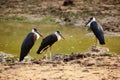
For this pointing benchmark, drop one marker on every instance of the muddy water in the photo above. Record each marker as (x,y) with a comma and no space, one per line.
(13,33)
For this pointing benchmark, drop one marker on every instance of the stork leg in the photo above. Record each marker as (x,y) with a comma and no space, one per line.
(95,42)
(50,53)
(27,59)
(46,55)
(95,48)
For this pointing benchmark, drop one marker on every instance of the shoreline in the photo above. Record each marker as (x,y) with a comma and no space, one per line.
(95,66)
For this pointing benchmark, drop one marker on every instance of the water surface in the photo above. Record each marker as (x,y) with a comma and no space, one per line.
(13,33)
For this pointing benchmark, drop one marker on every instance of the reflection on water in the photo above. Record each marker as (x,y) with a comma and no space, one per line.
(13,33)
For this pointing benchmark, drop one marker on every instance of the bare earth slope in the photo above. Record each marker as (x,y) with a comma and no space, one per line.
(106,11)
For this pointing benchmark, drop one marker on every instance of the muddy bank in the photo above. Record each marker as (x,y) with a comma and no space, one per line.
(7,59)
(92,66)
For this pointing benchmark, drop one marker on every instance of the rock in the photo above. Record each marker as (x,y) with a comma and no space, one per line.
(59,57)
(89,62)
(101,51)
(6,58)
(98,50)
(68,2)
(85,70)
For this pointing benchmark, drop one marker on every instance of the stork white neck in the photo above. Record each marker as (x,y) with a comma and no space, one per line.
(58,36)
(38,36)
(93,19)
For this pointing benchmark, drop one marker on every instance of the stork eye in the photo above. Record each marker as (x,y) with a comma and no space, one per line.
(58,31)
(35,29)
(91,18)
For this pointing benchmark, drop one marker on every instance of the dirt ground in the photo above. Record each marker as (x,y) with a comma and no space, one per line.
(107,12)
(89,68)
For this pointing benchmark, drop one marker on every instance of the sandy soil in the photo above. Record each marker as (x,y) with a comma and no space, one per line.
(90,68)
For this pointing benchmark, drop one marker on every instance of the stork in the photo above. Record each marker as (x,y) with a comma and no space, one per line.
(28,43)
(48,41)
(97,30)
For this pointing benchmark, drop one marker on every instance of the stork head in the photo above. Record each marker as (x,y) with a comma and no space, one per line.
(59,35)
(34,30)
(90,20)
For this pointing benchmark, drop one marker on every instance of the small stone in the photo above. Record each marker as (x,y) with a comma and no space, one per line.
(85,70)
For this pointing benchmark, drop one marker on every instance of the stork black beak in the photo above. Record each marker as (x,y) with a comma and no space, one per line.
(87,23)
(62,36)
(40,34)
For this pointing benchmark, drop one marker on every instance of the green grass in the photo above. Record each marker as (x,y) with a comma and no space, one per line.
(47,20)
(12,19)
(13,33)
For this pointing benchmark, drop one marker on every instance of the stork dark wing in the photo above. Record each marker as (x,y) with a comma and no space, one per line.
(98,32)
(47,41)
(27,45)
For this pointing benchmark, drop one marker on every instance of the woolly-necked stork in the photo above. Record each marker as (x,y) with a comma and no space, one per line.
(48,41)
(97,30)
(28,43)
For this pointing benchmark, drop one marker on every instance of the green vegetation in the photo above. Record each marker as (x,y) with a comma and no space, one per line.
(13,33)
(47,20)
(12,19)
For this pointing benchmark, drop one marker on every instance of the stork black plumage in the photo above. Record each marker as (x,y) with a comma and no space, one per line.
(28,43)
(48,41)
(97,30)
